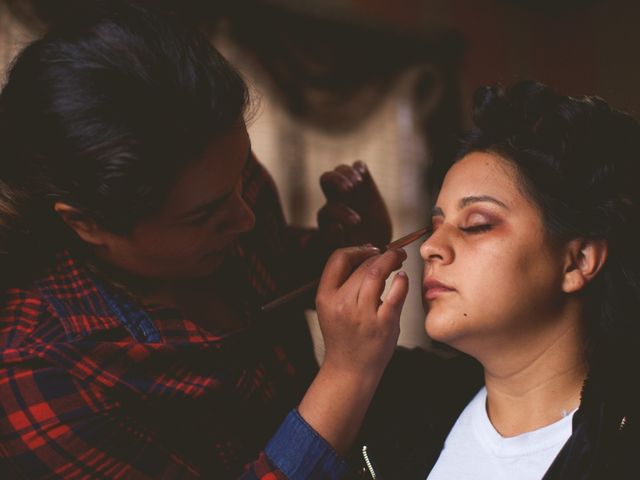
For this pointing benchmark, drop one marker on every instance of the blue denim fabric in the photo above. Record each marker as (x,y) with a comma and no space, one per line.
(134,318)
(302,454)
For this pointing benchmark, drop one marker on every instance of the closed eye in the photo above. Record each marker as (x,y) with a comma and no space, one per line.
(201,219)
(477,228)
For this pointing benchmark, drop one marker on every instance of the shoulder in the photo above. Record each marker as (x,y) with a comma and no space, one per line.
(421,389)
(423,385)
(419,399)
(418,370)
(62,303)
(22,313)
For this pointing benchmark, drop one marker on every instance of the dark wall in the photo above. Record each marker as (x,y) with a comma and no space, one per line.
(580,48)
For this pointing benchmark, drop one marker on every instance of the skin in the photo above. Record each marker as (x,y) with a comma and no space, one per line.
(510,298)
(177,253)
(354,205)
(191,234)
(360,333)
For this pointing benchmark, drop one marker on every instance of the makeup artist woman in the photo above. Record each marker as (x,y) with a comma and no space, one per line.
(139,237)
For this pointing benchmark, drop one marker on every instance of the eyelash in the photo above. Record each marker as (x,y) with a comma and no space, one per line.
(202,219)
(477,228)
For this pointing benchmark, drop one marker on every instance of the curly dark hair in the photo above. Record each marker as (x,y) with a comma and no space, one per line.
(102,113)
(578,159)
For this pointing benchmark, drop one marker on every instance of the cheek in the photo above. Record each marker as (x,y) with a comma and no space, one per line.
(520,281)
(190,246)
(490,280)
(503,272)
(168,245)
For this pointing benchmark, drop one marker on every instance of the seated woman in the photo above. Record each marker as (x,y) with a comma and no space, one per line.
(138,238)
(533,271)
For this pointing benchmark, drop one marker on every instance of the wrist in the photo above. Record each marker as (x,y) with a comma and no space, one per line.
(337,401)
(364,375)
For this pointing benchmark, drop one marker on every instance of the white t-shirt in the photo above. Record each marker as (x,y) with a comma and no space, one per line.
(475,450)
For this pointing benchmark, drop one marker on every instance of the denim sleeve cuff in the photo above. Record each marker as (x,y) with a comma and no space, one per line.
(301,453)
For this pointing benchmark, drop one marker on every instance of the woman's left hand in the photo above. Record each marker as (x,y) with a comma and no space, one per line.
(355,212)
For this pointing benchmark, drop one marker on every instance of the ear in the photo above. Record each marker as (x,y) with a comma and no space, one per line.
(584,259)
(85,227)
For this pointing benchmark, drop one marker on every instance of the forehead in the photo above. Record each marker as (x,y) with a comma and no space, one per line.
(213,175)
(481,173)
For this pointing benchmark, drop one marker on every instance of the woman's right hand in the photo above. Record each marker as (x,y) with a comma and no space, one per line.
(360,334)
(360,331)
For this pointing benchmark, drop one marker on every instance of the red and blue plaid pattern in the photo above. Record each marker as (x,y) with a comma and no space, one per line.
(86,394)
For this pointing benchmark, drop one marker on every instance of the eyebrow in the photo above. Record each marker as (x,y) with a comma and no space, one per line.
(213,204)
(466,201)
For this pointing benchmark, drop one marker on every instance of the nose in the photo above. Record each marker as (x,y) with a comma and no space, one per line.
(238,217)
(245,219)
(438,247)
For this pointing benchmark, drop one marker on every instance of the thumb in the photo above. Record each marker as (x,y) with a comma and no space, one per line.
(391,307)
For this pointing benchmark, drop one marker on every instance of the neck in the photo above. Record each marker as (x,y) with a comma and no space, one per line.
(537,383)
(199,300)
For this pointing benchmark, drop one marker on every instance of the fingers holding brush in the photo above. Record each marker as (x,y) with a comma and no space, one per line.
(359,330)
(366,251)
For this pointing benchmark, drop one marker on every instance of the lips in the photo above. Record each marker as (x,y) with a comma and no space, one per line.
(434,288)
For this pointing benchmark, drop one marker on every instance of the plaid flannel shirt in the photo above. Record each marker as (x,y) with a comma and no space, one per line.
(92,385)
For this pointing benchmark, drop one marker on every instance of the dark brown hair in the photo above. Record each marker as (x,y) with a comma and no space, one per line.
(102,113)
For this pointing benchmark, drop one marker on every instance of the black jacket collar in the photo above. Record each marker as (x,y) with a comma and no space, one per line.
(422,395)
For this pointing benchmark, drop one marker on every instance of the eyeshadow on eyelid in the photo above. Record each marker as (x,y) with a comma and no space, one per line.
(477,218)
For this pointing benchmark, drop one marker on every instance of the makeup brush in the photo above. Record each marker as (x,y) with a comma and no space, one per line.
(286,298)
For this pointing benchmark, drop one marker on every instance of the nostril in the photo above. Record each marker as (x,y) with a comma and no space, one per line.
(427,250)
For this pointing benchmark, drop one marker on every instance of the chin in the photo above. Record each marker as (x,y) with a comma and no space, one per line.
(432,329)
(441,329)
(196,271)
(202,271)
(209,266)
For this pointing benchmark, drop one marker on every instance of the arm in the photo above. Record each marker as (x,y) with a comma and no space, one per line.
(360,333)
(112,409)
(99,408)
(55,423)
